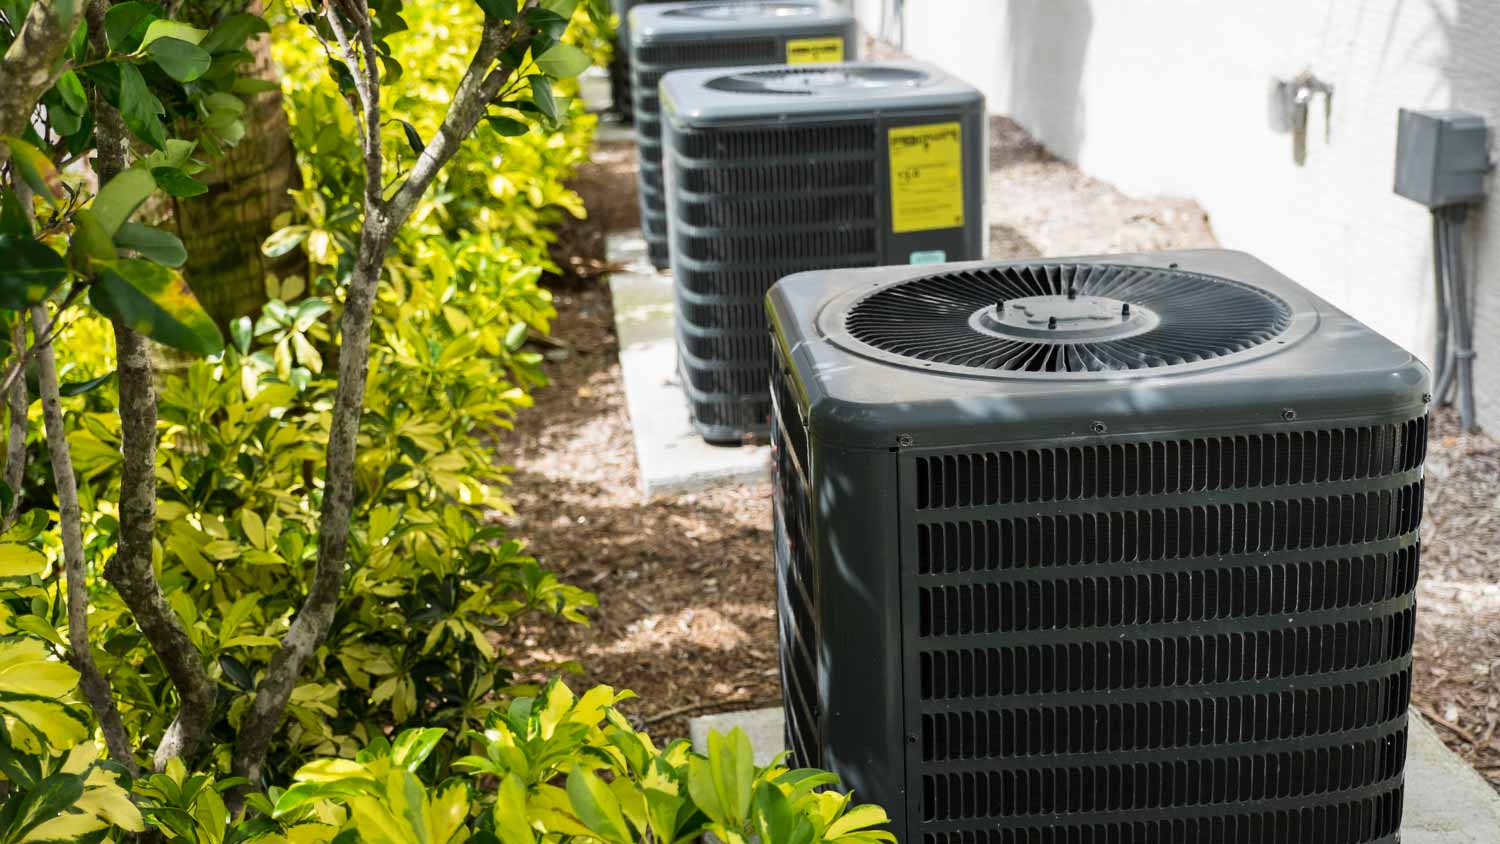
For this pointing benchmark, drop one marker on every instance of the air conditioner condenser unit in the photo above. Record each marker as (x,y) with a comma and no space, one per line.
(675,36)
(777,170)
(1098,550)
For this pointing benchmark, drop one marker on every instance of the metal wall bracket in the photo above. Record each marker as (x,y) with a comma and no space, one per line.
(1291,101)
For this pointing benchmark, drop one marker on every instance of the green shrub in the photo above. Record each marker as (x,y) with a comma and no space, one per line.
(561,768)
(243,435)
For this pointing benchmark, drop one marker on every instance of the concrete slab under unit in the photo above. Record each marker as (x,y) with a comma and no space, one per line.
(765,728)
(1447,802)
(672,458)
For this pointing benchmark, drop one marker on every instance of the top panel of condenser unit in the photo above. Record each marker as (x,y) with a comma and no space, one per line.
(1322,365)
(736,18)
(726,95)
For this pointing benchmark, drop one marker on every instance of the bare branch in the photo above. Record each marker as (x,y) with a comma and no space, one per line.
(367,85)
(480,85)
(261,721)
(15,444)
(29,66)
(111,140)
(382,219)
(131,571)
(93,682)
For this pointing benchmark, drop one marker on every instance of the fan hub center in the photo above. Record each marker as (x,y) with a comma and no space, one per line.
(1063,319)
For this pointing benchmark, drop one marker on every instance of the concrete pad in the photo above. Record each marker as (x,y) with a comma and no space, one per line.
(610,132)
(765,727)
(672,458)
(1447,802)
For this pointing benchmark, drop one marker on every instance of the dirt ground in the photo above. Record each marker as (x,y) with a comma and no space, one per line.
(685,585)
(1457,676)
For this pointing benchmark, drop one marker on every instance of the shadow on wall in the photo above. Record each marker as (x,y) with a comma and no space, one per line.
(1048,47)
(1470,29)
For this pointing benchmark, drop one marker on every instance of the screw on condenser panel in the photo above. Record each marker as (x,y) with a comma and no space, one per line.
(1288,414)
(1098,427)
(1125,309)
(1072,291)
(911,738)
(1426,398)
(903,440)
(1172,266)
(1052,322)
(1000,306)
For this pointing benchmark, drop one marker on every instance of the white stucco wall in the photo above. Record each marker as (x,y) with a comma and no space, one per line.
(1172,96)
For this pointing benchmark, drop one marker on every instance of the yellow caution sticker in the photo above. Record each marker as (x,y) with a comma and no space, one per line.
(927,177)
(814,50)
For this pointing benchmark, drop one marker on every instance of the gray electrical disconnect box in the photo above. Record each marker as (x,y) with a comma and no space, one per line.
(1441,157)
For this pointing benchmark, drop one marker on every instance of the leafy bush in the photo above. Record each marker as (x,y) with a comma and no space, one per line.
(244,435)
(59,790)
(562,768)
(211,500)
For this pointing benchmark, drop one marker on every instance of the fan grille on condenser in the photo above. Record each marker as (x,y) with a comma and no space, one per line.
(851,79)
(1193,318)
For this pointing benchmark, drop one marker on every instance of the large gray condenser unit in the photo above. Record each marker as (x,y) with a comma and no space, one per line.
(619,68)
(1097,551)
(676,36)
(777,170)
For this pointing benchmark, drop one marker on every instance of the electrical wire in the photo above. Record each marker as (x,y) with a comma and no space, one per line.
(1440,293)
(1455,354)
(1463,352)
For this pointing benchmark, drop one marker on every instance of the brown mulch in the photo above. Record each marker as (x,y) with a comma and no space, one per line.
(1456,681)
(686,587)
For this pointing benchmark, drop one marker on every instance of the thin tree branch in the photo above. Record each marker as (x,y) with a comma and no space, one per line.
(382,219)
(17,402)
(15,443)
(366,75)
(478,87)
(131,571)
(93,682)
(29,66)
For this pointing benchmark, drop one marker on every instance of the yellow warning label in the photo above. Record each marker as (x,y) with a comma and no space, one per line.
(814,50)
(927,177)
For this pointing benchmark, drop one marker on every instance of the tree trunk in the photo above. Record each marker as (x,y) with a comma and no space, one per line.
(247,187)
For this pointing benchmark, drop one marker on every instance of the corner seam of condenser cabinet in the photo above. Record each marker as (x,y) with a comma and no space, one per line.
(907,744)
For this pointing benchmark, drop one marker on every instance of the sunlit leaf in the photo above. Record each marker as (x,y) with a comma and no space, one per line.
(119,198)
(563,61)
(156,302)
(172,29)
(20,561)
(35,167)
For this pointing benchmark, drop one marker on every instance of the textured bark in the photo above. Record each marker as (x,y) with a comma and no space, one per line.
(111,140)
(30,66)
(481,83)
(15,444)
(93,682)
(308,629)
(131,571)
(247,188)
